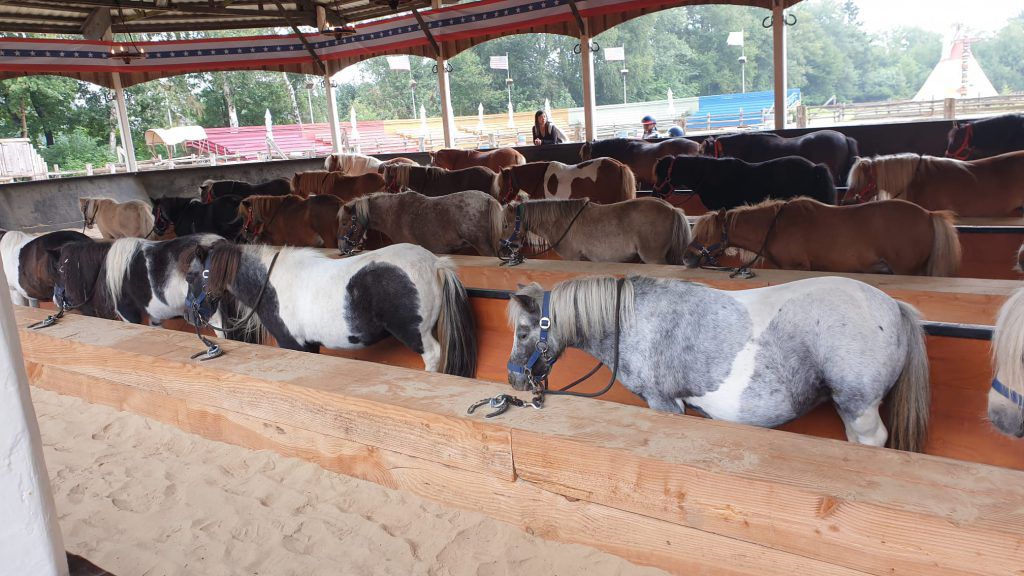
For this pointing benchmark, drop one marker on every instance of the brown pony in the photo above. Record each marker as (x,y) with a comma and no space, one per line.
(496,160)
(432,181)
(347,188)
(639,155)
(987,187)
(890,237)
(291,220)
(358,164)
(603,180)
(115,219)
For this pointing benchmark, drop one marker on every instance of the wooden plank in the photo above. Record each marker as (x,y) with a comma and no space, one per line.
(638,538)
(867,509)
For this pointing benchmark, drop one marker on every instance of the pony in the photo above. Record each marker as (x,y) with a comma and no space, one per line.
(759,357)
(731,182)
(646,229)
(986,137)
(603,180)
(833,149)
(346,188)
(11,243)
(36,269)
(1006,397)
(358,164)
(79,272)
(291,220)
(890,237)
(307,300)
(443,225)
(639,155)
(496,160)
(117,219)
(431,181)
(210,190)
(987,187)
(190,216)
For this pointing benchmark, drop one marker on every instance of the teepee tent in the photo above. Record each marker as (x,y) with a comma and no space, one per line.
(957,75)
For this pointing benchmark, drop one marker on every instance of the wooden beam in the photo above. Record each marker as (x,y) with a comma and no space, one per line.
(844,507)
(97,24)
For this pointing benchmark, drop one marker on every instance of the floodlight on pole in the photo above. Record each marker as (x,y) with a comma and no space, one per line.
(736,39)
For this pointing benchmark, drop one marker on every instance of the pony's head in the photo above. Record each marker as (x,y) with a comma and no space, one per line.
(353,224)
(1006,397)
(959,140)
(707,146)
(710,239)
(206,190)
(535,347)
(663,170)
(89,208)
(862,182)
(210,272)
(75,268)
(1019,267)
(161,216)
(586,151)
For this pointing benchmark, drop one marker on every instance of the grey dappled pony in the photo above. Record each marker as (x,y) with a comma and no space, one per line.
(760,357)
(1006,397)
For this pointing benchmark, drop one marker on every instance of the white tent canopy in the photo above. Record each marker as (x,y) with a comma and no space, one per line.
(174,136)
(957,75)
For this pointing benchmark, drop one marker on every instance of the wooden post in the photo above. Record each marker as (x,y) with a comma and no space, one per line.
(30,538)
(122,123)
(447,118)
(589,101)
(779,45)
(332,110)
(949,108)
(801,116)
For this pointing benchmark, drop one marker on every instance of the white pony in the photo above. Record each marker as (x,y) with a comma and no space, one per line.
(11,243)
(352,164)
(1006,397)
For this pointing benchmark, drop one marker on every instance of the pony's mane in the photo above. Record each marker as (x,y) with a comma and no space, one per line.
(704,228)
(551,210)
(1008,343)
(584,308)
(261,206)
(361,205)
(208,183)
(895,172)
(9,241)
(119,260)
(766,203)
(188,254)
(225,258)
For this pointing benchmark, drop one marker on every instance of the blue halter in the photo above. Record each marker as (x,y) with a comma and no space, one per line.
(542,344)
(1005,392)
(508,252)
(201,306)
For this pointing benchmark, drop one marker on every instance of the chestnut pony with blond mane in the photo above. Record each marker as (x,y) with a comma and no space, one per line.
(603,180)
(988,187)
(321,182)
(496,160)
(804,234)
(291,220)
(358,164)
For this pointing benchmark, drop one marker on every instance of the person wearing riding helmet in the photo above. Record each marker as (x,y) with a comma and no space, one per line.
(650,128)
(676,132)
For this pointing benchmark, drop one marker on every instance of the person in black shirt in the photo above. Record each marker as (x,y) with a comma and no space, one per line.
(545,132)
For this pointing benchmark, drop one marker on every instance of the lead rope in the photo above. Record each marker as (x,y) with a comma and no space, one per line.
(515,257)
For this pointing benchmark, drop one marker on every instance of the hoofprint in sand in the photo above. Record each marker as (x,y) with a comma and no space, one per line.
(138,497)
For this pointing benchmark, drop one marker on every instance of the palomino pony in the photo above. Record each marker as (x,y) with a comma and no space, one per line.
(639,155)
(291,220)
(320,182)
(603,180)
(646,229)
(833,149)
(307,300)
(131,219)
(443,225)
(210,190)
(31,263)
(358,164)
(190,216)
(11,243)
(497,159)
(1006,398)
(730,182)
(760,357)
(432,181)
(891,237)
(987,187)
(986,137)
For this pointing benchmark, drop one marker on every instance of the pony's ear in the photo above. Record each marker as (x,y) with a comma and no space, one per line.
(956,124)
(201,253)
(527,303)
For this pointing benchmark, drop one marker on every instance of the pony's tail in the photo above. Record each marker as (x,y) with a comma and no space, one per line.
(852,153)
(329,163)
(119,264)
(455,326)
(910,398)
(230,311)
(297,183)
(628,182)
(520,159)
(945,257)
(681,237)
(824,185)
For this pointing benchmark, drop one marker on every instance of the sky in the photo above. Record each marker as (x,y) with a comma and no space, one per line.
(980,16)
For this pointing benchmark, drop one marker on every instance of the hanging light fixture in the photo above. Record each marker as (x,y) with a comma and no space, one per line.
(130,51)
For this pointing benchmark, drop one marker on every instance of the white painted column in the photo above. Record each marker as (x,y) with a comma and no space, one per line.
(779,50)
(332,111)
(589,103)
(447,118)
(30,538)
(122,124)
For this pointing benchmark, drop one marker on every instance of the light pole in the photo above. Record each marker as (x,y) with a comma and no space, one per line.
(309,100)
(624,72)
(743,72)
(736,39)
(412,88)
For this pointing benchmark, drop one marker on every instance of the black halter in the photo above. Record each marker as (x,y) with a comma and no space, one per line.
(61,299)
(349,246)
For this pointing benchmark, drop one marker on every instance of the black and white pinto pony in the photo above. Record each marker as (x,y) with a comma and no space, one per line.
(1006,397)
(11,243)
(210,190)
(306,300)
(760,357)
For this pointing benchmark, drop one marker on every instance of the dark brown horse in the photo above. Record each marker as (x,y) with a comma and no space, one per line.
(210,190)
(985,138)
(432,181)
(496,160)
(890,237)
(337,184)
(291,220)
(603,180)
(639,155)
(37,270)
(833,149)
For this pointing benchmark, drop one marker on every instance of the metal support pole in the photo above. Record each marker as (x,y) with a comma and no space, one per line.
(779,46)
(332,112)
(122,123)
(30,538)
(444,89)
(587,63)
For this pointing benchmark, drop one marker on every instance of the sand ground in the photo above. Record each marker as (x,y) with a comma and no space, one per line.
(140,498)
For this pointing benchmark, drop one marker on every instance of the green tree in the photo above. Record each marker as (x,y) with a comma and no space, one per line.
(1000,56)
